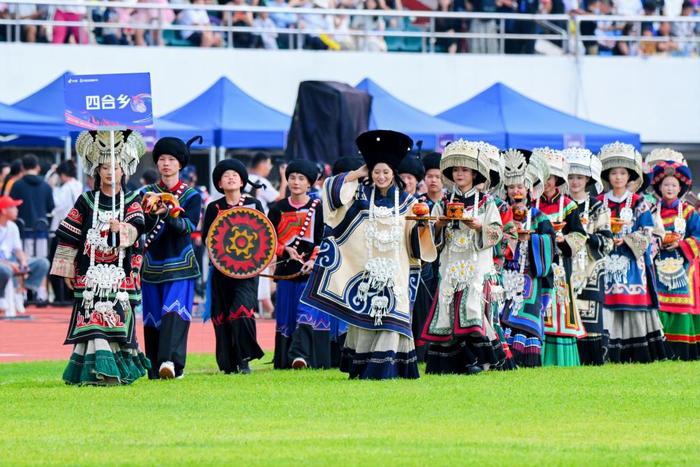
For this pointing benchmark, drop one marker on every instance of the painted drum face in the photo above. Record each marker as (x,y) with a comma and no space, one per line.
(241,242)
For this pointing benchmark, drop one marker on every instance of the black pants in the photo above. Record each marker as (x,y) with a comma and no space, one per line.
(60,291)
(167,344)
(313,346)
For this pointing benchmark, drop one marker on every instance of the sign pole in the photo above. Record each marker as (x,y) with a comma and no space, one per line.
(114,181)
(113,169)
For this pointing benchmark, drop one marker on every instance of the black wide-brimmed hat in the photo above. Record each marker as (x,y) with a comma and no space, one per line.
(176,148)
(414,166)
(304,167)
(235,165)
(347,164)
(431,161)
(389,147)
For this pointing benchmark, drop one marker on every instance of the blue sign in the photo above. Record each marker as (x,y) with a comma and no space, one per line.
(574,141)
(117,100)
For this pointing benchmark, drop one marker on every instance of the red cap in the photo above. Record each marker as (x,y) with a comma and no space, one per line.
(7,202)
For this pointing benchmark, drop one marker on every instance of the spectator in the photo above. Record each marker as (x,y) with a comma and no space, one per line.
(283,21)
(14,261)
(342,32)
(15,174)
(686,30)
(669,46)
(626,47)
(672,7)
(198,17)
(5,14)
(391,5)
(65,195)
(588,28)
(649,9)
(484,26)
(449,25)
(370,23)
(30,32)
(523,46)
(259,171)
(241,40)
(313,23)
(268,31)
(155,17)
(627,7)
(149,177)
(4,172)
(188,175)
(37,204)
(647,47)
(114,35)
(61,34)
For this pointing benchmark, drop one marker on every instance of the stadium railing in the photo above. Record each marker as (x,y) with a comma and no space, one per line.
(561,29)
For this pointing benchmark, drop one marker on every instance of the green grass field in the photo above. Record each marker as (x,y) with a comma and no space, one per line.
(627,414)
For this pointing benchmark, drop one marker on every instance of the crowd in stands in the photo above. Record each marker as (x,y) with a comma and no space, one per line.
(272,30)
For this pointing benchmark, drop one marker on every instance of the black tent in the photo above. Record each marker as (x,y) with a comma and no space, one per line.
(328,116)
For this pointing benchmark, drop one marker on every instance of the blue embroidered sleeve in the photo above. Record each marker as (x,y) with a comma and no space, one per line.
(332,187)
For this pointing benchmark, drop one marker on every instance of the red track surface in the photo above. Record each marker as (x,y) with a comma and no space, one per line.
(41,336)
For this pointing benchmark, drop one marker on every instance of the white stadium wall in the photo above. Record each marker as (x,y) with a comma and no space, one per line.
(658,97)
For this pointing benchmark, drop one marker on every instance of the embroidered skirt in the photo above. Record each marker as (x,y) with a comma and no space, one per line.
(635,336)
(682,332)
(378,355)
(101,363)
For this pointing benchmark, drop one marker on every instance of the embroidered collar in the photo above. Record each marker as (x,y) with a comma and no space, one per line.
(389,193)
(298,205)
(553,199)
(174,189)
(611,196)
(672,205)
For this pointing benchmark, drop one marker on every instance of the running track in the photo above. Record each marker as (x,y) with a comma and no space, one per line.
(39,335)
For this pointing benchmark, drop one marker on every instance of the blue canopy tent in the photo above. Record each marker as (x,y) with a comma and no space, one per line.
(388,112)
(15,121)
(236,119)
(48,101)
(528,124)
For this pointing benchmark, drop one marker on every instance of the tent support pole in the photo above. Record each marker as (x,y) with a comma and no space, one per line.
(212,163)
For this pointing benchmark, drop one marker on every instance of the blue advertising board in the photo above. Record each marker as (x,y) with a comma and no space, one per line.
(114,100)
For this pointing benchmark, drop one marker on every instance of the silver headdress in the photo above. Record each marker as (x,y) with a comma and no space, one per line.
(584,162)
(495,163)
(463,153)
(94,149)
(623,155)
(664,154)
(556,162)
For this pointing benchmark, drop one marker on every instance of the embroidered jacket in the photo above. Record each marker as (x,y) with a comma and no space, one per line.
(169,253)
(289,223)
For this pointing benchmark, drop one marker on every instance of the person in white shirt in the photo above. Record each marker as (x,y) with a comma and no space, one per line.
(13,261)
(267,30)
(627,7)
(260,169)
(195,17)
(64,196)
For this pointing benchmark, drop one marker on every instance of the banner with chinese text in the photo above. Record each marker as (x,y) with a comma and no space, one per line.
(115,100)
